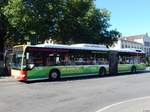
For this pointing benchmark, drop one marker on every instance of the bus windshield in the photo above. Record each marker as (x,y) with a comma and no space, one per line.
(17,59)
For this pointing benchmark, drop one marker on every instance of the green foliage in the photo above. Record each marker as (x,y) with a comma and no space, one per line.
(83,23)
(30,19)
(64,21)
(6,30)
(3,26)
(73,25)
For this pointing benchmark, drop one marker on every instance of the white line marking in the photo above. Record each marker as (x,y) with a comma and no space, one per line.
(116,104)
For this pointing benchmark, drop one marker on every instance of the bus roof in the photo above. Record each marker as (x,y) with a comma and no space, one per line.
(82,46)
(74,46)
(130,50)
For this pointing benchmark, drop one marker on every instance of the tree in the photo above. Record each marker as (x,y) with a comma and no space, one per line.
(2,32)
(31,19)
(72,26)
(89,26)
(64,21)
(3,28)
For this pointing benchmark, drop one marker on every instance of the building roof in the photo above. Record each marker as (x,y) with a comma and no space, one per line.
(132,50)
(136,36)
(132,38)
(129,41)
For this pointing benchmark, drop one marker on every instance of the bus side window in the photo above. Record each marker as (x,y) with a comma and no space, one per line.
(48,61)
(120,60)
(57,60)
(38,61)
(67,59)
(142,60)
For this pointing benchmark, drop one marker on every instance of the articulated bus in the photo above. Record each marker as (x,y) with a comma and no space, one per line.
(54,61)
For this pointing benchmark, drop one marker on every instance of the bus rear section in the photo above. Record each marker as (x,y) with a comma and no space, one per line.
(127,60)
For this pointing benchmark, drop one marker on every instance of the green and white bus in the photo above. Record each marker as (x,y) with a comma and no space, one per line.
(53,61)
(50,61)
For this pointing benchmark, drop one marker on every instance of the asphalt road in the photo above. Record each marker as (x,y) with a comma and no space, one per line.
(87,94)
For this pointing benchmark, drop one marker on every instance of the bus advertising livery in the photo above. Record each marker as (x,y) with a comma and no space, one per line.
(54,61)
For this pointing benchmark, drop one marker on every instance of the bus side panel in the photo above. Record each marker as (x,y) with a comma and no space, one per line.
(122,68)
(91,69)
(38,72)
(43,72)
(81,70)
(70,70)
(140,66)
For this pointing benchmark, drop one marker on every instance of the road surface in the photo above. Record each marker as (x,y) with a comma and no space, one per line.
(88,94)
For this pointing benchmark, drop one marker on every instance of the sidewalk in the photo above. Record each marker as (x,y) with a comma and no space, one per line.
(6,79)
(148,68)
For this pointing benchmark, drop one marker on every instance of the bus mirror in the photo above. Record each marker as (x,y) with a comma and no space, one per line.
(31,66)
(27,55)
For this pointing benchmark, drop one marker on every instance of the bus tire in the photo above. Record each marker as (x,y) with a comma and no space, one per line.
(133,69)
(102,71)
(54,75)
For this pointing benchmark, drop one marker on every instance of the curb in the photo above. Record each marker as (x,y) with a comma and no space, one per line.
(6,79)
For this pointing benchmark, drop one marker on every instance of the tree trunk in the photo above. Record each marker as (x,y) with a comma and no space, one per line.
(2,35)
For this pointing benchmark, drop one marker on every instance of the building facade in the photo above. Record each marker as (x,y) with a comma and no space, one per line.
(136,42)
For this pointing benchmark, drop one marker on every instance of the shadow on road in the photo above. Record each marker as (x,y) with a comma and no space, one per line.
(87,77)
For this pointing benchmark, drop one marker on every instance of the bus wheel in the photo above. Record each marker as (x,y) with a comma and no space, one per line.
(133,70)
(54,75)
(102,71)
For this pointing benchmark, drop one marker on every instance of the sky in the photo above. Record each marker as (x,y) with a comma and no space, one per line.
(129,17)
